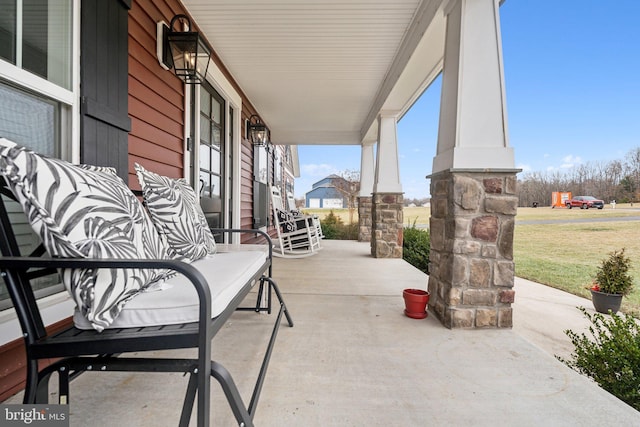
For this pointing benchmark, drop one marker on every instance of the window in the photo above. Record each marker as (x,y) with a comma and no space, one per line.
(35,39)
(30,120)
(34,122)
(40,42)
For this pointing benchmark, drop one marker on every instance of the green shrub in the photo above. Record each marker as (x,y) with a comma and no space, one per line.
(613,275)
(334,229)
(611,356)
(416,246)
(330,224)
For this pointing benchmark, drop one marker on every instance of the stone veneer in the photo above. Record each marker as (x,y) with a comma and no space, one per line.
(364,219)
(387,225)
(471,260)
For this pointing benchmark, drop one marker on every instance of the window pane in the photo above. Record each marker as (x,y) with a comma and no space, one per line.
(34,38)
(215,161)
(205,103)
(205,157)
(205,184)
(29,120)
(46,40)
(215,185)
(33,122)
(205,130)
(8,30)
(215,136)
(216,110)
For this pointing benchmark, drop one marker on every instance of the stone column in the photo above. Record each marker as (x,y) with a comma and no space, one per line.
(386,240)
(365,216)
(471,260)
(367,177)
(387,201)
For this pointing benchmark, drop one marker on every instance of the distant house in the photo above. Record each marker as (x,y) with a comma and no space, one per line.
(324,194)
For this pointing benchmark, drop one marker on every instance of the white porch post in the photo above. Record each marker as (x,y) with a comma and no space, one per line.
(387,177)
(367,172)
(387,200)
(366,188)
(473,182)
(473,122)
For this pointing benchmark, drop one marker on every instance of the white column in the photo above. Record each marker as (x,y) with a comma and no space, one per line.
(387,177)
(473,122)
(367,171)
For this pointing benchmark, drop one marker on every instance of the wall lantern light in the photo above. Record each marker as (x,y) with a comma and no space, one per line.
(184,51)
(258,133)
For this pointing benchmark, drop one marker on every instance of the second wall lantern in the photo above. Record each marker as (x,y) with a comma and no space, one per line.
(257,132)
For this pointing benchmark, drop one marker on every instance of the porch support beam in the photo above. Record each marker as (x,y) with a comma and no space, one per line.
(473,203)
(473,120)
(387,201)
(387,176)
(367,176)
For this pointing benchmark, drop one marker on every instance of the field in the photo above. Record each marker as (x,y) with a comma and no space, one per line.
(562,255)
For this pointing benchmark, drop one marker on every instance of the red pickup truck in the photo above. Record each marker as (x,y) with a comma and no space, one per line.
(585,202)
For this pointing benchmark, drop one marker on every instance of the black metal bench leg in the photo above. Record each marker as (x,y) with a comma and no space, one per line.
(31,386)
(63,385)
(189,399)
(274,286)
(222,375)
(260,293)
(42,390)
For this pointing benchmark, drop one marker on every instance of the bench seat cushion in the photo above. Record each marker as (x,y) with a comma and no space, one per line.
(177,302)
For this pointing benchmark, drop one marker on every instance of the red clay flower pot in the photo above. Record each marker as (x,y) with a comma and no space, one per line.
(415,303)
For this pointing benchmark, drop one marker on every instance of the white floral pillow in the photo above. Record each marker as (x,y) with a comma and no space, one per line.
(176,213)
(86,212)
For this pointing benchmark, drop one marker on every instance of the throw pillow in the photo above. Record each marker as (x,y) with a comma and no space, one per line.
(85,212)
(287,221)
(176,213)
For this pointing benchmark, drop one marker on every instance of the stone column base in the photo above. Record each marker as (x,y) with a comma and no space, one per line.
(387,225)
(471,259)
(364,219)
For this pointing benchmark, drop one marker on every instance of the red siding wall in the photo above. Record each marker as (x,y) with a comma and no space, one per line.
(156,97)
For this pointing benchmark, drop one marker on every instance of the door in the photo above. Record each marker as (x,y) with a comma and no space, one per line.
(210,172)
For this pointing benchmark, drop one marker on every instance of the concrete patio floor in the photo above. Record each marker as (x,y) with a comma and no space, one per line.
(354,359)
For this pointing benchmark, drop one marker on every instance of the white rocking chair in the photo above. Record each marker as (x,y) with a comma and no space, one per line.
(297,237)
(291,203)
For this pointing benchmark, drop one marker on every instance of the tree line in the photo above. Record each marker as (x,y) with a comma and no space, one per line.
(617,180)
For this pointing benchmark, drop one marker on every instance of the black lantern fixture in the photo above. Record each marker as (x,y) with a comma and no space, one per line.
(258,133)
(185,51)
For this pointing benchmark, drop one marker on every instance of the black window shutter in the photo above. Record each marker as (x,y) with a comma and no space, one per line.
(105,122)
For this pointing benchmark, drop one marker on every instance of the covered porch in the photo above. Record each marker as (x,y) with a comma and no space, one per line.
(353,359)
(345,73)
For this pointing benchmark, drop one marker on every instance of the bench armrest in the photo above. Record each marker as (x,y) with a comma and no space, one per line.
(188,270)
(250,231)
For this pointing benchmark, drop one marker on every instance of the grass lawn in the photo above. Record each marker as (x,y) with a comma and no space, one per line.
(566,255)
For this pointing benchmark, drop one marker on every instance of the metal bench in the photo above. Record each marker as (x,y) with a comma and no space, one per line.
(76,350)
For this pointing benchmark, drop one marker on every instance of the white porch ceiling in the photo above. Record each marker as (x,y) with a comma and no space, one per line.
(320,72)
